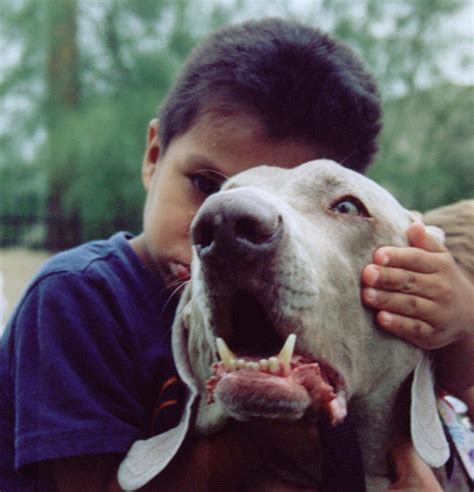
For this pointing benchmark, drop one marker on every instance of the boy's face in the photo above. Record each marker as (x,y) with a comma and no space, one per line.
(194,166)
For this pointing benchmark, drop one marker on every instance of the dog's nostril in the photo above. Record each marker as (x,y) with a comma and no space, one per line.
(254,230)
(204,232)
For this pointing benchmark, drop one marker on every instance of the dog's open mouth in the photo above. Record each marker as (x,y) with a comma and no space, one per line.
(254,379)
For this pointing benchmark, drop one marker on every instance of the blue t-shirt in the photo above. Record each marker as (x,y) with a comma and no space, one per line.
(83,360)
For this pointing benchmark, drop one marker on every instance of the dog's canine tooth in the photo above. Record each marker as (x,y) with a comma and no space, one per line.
(286,353)
(225,353)
(273,364)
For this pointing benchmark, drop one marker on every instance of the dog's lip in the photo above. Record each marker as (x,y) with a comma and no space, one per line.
(252,366)
(325,385)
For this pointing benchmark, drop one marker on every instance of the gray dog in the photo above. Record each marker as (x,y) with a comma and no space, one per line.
(271,324)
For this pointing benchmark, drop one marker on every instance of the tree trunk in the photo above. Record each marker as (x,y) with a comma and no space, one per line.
(62,85)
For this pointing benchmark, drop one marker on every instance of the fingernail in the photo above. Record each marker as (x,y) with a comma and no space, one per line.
(374,275)
(386,318)
(383,258)
(370,294)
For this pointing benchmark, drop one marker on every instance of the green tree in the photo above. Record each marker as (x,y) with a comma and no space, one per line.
(62,103)
(87,77)
(427,147)
(100,70)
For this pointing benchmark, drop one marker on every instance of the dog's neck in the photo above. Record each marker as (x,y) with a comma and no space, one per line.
(385,408)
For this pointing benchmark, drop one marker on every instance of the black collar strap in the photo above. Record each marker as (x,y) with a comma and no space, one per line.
(343,469)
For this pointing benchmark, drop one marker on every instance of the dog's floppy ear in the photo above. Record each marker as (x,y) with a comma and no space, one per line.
(148,457)
(426,429)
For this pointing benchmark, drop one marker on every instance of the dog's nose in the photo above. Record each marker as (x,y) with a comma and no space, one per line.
(237,222)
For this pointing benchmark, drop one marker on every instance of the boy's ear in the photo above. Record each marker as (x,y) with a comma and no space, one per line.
(152,152)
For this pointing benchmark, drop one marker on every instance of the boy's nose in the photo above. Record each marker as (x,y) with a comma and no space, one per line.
(236,223)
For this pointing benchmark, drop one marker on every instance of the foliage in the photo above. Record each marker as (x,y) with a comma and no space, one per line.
(87,163)
(80,157)
(427,147)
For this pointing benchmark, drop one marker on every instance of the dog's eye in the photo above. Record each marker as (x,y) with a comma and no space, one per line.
(350,205)
(205,184)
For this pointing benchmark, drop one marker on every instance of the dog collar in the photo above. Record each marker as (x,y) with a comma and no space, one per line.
(343,468)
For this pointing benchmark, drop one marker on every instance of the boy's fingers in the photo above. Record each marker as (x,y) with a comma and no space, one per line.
(408,305)
(400,280)
(414,331)
(418,257)
(414,259)
(419,238)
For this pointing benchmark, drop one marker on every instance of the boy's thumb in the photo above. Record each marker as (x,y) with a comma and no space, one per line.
(427,238)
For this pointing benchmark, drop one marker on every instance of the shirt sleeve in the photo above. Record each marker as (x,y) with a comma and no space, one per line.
(74,375)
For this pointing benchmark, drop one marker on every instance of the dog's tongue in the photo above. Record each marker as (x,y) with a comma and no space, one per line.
(284,386)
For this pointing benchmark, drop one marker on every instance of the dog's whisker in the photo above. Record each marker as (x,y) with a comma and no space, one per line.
(175,283)
(181,285)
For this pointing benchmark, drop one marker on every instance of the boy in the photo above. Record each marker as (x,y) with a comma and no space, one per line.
(88,348)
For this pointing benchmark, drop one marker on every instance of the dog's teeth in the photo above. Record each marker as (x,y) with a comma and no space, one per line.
(232,365)
(286,352)
(263,363)
(253,366)
(224,352)
(240,364)
(273,364)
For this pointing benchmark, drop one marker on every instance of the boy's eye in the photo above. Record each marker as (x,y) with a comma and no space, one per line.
(350,205)
(205,184)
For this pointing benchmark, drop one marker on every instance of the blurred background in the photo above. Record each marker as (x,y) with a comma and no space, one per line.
(80,79)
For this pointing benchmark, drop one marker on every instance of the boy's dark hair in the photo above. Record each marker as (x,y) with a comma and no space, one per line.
(298,81)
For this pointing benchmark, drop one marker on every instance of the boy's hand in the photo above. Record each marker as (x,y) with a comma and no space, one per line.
(422,295)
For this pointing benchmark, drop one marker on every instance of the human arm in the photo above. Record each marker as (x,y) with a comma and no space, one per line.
(76,387)
(423,297)
(410,472)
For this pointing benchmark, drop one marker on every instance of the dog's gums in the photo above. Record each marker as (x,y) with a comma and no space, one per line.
(284,385)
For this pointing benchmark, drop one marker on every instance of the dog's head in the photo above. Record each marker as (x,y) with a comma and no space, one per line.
(271,323)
